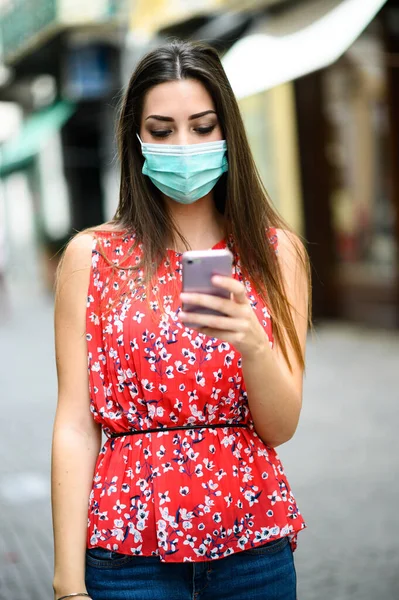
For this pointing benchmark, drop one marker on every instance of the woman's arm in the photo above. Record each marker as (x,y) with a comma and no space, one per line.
(76,436)
(274,392)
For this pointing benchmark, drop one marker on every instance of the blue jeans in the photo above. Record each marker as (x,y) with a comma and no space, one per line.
(266,572)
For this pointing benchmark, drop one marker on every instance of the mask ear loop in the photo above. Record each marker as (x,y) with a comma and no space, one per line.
(139,138)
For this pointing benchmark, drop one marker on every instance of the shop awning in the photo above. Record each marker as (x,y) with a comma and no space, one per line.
(148,17)
(295,41)
(35,132)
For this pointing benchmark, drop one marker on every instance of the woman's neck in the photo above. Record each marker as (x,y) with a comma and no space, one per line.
(200,223)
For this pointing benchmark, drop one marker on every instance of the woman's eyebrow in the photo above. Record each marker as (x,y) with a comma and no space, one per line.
(159,118)
(191,118)
(201,114)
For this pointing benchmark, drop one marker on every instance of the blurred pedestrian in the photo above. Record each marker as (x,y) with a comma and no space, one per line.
(187,497)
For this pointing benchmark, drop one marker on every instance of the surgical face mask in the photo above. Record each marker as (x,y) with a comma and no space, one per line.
(185,173)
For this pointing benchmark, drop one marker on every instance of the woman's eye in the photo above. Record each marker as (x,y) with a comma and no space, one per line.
(205,130)
(163,133)
(160,133)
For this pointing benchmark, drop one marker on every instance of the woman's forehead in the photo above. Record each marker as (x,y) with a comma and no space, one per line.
(183,97)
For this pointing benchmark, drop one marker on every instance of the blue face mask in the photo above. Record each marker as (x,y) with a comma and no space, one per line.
(185,173)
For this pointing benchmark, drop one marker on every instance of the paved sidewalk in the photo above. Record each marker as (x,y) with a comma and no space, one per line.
(28,400)
(342,463)
(344,469)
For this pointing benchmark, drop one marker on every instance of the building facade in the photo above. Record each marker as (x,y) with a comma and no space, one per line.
(325,137)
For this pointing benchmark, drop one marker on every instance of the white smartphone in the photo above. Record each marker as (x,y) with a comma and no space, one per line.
(198,268)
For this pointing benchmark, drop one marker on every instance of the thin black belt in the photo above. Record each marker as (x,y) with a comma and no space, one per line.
(176,428)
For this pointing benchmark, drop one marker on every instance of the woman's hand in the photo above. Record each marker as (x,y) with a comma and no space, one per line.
(240,327)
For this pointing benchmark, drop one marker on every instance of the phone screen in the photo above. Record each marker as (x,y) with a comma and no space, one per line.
(199,266)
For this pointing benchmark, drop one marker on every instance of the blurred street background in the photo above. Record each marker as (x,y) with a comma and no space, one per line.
(318,87)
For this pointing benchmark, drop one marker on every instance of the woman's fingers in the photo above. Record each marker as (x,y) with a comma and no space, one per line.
(233,286)
(228,307)
(212,321)
(222,305)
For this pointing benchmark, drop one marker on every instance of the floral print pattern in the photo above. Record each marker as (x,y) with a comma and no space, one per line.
(186,495)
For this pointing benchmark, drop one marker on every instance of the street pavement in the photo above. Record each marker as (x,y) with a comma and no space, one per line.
(342,463)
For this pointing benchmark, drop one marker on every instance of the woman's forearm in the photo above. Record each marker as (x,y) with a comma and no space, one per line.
(74,455)
(274,403)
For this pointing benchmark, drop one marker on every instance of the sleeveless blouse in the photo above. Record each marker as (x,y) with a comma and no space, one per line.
(187,495)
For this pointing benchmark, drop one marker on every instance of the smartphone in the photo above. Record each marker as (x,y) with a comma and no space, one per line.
(198,268)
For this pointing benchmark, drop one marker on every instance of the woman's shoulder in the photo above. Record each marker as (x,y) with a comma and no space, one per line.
(100,237)
(77,253)
(286,239)
(289,248)
(110,228)
(74,267)
(112,235)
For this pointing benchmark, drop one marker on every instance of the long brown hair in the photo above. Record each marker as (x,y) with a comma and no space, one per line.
(239,195)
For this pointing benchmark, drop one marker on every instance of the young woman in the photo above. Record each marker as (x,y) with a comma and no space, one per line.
(187,497)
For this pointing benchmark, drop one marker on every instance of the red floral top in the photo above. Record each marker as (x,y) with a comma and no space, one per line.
(187,495)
